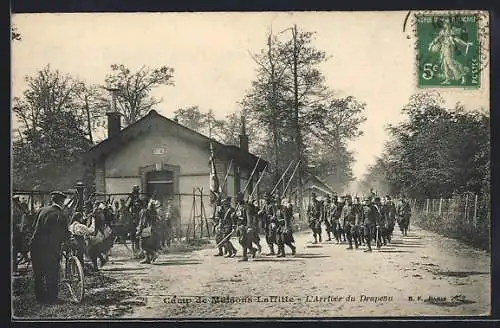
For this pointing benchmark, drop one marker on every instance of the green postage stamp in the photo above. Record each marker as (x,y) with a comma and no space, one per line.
(448,51)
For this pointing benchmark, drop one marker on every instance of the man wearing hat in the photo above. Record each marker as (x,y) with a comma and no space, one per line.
(226,222)
(50,231)
(267,216)
(369,222)
(242,221)
(326,215)
(314,214)
(404,213)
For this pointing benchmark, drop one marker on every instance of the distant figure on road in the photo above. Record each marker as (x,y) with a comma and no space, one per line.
(404,213)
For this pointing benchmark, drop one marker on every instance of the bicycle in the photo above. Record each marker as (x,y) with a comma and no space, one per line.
(72,276)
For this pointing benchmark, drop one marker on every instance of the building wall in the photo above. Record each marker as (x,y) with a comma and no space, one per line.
(124,167)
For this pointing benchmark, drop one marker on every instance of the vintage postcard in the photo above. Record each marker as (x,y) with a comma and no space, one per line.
(265,165)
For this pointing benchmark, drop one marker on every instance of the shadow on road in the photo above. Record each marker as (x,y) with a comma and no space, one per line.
(460,274)
(314,246)
(393,251)
(274,259)
(406,245)
(120,269)
(309,256)
(177,262)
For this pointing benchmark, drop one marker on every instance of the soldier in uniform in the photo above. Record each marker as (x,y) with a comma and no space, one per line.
(314,215)
(326,215)
(379,223)
(349,222)
(369,223)
(338,230)
(242,222)
(404,213)
(147,231)
(218,229)
(389,210)
(266,214)
(357,209)
(284,217)
(50,231)
(253,228)
(227,224)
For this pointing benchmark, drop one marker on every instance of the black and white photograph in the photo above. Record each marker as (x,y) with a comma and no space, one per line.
(250,165)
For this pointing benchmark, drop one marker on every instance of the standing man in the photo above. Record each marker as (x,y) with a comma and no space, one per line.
(379,223)
(348,220)
(49,233)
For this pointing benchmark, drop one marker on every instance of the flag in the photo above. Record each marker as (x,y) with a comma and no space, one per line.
(214,180)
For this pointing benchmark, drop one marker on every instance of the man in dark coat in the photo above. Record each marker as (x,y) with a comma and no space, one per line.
(284,217)
(404,213)
(326,215)
(242,220)
(314,215)
(267,216)
(49,232)
(369,222)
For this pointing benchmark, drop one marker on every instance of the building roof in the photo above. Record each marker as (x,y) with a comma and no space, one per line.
(146,123)
(316,183)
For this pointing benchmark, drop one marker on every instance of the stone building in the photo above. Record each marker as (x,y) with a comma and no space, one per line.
(168,159)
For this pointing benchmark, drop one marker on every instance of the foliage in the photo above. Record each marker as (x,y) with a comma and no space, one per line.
(134,98)
(53,130)
(437,151)
(290,103)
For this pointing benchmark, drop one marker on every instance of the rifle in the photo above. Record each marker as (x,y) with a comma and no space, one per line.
(225,177)
(281,178)
(251,175)
(228,235)
(258,181)
(290,180)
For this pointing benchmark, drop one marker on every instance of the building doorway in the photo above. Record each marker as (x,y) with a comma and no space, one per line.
(161,185)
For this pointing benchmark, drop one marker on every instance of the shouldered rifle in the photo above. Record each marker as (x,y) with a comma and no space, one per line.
(281,178)
(258,181)
(290,180)
(251,176)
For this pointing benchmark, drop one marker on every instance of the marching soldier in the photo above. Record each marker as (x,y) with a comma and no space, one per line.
(253,229)
(227,226)
(404,213)
(284,216)
(242,223)
(338,230)
(349,222)
(147,231)
(219,234)
(326,216)
(389,210)
(267,216)
(314,214)
(49,233)
(357,209)
(369,223)
(380,223)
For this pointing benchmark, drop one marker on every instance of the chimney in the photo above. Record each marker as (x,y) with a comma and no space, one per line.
(114,117)
(243,135)
(114,123)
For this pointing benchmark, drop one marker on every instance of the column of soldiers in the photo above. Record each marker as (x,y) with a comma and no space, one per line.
(247,219)
(358,222)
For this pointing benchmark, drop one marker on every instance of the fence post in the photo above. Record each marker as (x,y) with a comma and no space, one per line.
(427,206)
(440,205)
(466,204)
(475,212)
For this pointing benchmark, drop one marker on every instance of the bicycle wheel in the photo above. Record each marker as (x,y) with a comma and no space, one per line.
(73,279)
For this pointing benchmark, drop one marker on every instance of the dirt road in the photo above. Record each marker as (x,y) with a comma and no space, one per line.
(323,280)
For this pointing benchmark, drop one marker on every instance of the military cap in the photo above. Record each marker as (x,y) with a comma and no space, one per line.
(267,195)
(227,199)
(16,197)
(58,195)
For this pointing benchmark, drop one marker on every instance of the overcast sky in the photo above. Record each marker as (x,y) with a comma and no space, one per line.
(372,59)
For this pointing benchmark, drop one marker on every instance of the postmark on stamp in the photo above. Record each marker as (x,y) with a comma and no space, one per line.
(448,51)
